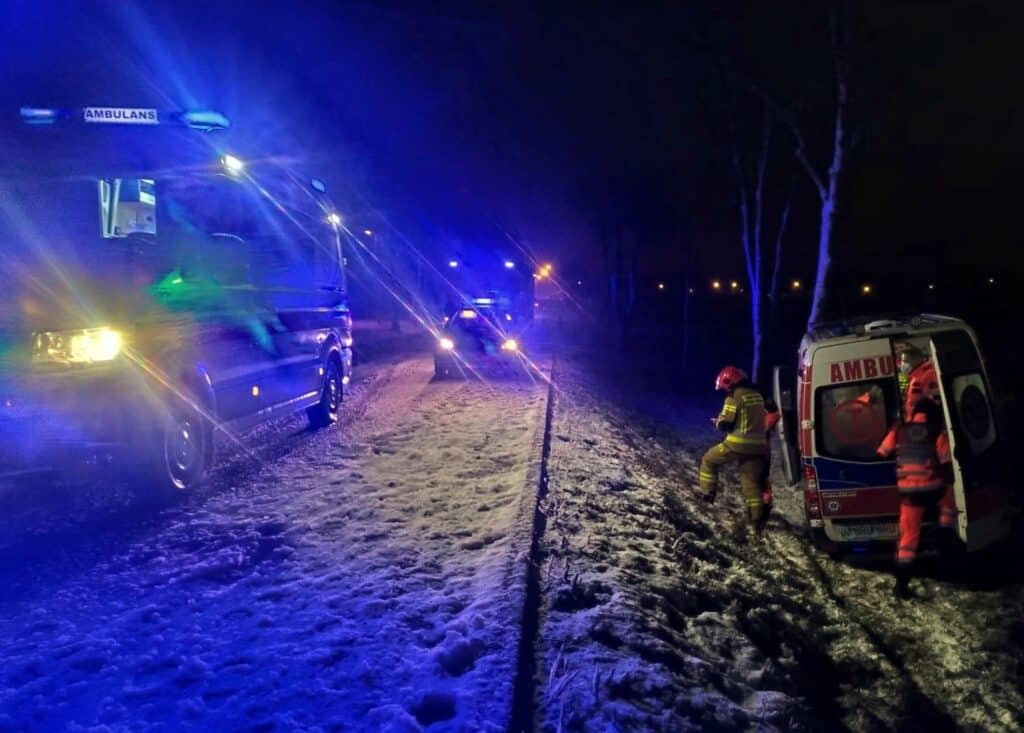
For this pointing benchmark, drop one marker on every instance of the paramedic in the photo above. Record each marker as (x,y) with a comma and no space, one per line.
(922,454)
(743,420)
(918,379)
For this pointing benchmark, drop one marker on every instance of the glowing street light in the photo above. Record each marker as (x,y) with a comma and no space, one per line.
(716,285)
(734,285)
(334,218)
(453,263)
(368,232)
(509,264)
(661,286)
(796,285)
(865,289)
(931,286)
(991,281)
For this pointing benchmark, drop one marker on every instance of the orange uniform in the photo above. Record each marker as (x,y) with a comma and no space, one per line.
(922,455)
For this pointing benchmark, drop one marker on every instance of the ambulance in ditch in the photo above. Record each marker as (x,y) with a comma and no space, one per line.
(844,397)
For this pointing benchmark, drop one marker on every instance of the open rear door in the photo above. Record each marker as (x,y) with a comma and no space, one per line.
(784,387)
(966,401)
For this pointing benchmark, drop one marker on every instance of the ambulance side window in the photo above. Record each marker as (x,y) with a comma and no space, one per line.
(853,418)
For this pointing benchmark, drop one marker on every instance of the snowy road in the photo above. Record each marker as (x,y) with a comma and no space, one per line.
(367,577)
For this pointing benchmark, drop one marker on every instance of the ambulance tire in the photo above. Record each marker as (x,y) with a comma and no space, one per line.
(325,412)
(180,450)
(821,541)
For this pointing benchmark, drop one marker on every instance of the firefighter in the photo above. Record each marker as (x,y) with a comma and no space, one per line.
(922,450)
(743,420)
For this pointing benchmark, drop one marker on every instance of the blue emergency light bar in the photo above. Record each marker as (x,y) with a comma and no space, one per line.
(204,120)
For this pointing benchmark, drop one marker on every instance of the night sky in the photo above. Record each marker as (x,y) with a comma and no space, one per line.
(551,122)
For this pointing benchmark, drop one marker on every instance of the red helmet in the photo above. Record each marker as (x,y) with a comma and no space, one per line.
(729,377)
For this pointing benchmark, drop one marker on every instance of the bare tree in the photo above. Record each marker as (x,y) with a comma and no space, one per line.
(762,266)
(826,185)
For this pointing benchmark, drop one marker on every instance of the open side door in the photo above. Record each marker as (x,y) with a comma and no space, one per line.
(973,439)
(784,391)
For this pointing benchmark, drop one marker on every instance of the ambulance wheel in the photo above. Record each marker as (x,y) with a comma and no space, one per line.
(179,453)
(821,541)
(325,412)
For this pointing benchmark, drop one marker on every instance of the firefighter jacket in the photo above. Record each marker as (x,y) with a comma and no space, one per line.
(743,419)
(921,450)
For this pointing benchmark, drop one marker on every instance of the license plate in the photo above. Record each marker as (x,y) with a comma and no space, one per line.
(869,531)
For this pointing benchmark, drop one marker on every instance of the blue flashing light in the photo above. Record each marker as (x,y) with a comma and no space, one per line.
(509,264)
(484,301)
(205,120)
(39,115)
(453,263)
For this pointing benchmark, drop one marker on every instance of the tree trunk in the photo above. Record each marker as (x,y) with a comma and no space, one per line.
(824,260)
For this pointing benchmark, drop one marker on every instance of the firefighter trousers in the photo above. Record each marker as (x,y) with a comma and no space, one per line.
(750,467)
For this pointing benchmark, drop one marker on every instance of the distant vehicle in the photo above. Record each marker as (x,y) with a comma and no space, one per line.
(841,402)
(480,338)
(491,274)
(157,291)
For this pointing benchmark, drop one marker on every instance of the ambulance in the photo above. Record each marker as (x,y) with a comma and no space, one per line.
(842,399)
(160,292)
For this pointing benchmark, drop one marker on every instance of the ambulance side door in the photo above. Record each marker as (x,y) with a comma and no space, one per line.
(967,404)
(784,391)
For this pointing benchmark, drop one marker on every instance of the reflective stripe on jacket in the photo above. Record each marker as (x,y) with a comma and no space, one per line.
(918,449)
(744,411)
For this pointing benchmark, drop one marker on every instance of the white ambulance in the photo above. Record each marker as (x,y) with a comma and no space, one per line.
(838,406)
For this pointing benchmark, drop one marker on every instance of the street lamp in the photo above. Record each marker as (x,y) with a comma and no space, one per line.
(716,285)
(734,285)
(334,218)
(368,232)
(661,286)
(865,289)
(796,285)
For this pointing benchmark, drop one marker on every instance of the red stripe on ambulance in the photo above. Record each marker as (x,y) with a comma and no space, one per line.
(856,370)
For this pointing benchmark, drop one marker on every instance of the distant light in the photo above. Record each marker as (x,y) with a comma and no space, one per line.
(447,344)
(232,164)
(716,285)
(346,379)
(334,218)
(484,301)
(508,316)
(865,289)
(547,268)
(796,285)
(991,281)
(931,286)
(255,391)
(579,282)
(467,313)
(691,291)
(661,286)
(509,264)
(368,232)
(734,285)
(510,345)
(453,263)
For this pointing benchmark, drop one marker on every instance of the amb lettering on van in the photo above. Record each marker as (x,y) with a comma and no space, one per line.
(855,370)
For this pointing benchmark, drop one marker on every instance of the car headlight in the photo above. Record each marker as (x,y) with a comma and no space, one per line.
(510,345)
(447,344)
(85,346)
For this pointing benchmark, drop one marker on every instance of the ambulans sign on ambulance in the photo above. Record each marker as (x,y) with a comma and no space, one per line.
(121,115)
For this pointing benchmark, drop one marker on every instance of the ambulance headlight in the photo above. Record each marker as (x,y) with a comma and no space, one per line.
(447,344)
(85,346)
(510,345)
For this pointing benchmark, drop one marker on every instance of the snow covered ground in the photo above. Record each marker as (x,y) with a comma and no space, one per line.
(659,614)
(366,577)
